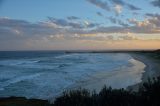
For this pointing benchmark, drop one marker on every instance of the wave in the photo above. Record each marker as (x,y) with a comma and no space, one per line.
(63,70)
(18,79)
(66,55)
(129,75)
(17,62)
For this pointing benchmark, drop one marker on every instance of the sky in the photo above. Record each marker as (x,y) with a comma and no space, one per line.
(79,24)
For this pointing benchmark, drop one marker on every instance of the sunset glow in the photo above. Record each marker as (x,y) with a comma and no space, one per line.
(79,25)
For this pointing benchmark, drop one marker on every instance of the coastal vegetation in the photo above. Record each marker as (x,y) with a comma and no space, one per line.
(153,54)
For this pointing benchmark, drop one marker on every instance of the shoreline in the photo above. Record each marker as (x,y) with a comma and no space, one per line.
(128,75)
(99,80)
(150,71)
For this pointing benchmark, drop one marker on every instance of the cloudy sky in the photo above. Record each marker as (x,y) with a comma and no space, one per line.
(79,24)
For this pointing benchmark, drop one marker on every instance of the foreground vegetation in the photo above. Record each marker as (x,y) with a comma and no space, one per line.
(148,95)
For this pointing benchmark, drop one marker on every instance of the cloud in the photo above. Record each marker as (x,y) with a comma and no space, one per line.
(72,24)
(113,5)
(132,7)
(138,27)
(152,22)
(153,15)
(101,4)
(119,2)
(104,37)
(110,29)
(118,9)
(112,19)
(128,36)
(117,21)
(144,23)
(156,3)
(27,29)
(122,23)
(73,18)
(99,14)
(155,19)
(90,24)
(12,29)
(22,34)
(49,31)
(122,3)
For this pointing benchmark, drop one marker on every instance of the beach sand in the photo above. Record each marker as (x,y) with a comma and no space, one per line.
(152,69)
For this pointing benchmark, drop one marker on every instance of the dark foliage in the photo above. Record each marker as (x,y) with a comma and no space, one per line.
(22,101)
(148,95)
(153,54)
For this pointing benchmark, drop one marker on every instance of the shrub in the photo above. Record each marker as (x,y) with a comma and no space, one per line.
(148,95)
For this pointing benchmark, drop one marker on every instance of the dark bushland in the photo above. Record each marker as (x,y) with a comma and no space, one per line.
(148,95)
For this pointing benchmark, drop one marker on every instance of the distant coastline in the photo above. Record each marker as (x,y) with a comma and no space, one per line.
(86,51)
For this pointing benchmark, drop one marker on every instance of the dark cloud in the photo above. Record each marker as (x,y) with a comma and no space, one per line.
(156,3)
(121,29)
(71,24)
(117,21)
(101,4)
(149,26)
(117,4)
(154,19)
(112,19)
(26,29)
(122,23)
(60,22)
(132,7)
(153,15)
(65,23)
(92,25)
(99,14)
(121,2)
(73,18)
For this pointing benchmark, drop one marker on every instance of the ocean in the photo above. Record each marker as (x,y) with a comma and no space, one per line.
(46,74)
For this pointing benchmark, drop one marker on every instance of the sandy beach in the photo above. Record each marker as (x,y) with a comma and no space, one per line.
(151,70)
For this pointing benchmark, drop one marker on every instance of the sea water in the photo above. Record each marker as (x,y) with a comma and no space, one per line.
(46,74)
